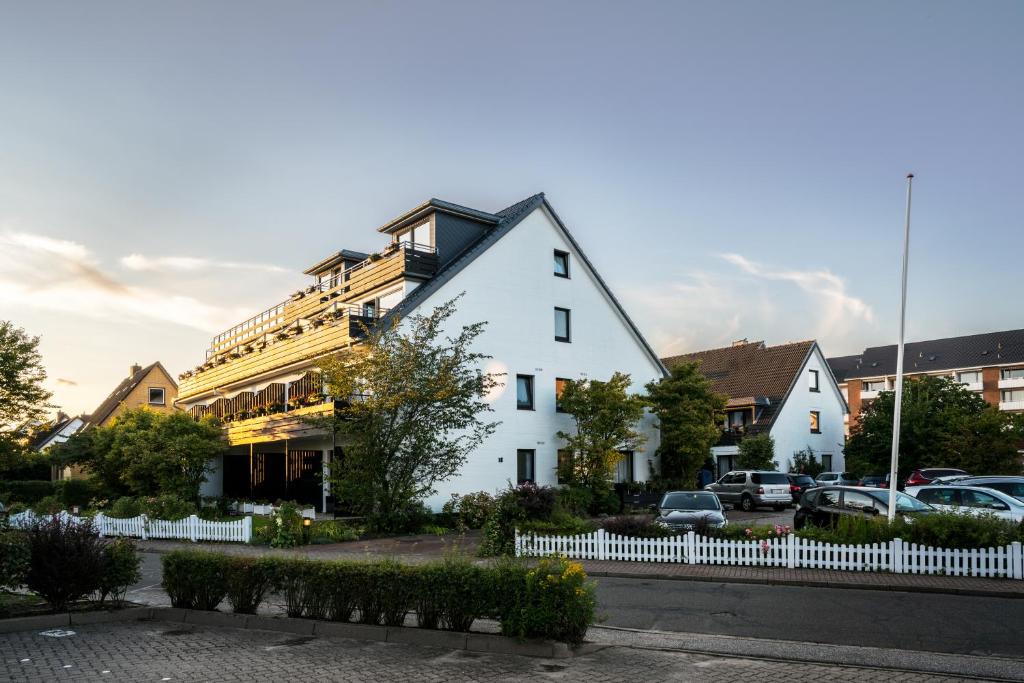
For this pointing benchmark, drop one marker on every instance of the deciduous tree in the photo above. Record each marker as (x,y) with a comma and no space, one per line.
(757,453)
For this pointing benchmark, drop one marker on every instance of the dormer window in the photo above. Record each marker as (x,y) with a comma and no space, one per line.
(419,235)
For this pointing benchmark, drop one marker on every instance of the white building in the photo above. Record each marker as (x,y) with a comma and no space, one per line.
(549,315)
(787,391)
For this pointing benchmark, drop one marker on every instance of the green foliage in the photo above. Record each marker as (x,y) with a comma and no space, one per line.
(47,506)
(74,492)
(690,417)
(942,424)
(757,453)
(28,491)
(14,559)
(553,601)
(121,563)
(67,561)
(22,376)
(195,579)
(560,524)
(287,525)
(576,500)
(415,413)
(641,526)
(247,580)
(167,507)
(804,462)
(605,418)
(332,531)
(512,507)
(469,511)
(125,507)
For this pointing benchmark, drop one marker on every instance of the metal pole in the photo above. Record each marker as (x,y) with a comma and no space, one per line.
(899,362)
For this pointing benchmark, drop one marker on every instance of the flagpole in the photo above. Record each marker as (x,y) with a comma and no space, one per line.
(893,486)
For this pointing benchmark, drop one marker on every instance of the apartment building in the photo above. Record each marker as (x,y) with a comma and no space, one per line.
(550,317)
(991,364)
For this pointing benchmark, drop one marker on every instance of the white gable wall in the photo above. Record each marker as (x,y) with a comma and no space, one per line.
(792,430)
(512,287)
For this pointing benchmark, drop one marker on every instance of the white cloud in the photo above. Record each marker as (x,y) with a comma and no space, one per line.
(139,262)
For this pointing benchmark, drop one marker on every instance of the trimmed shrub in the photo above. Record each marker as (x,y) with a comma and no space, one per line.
(14,559)
(560,525)
(469,511)
(125,508)
(514,506)
(72,492)
(554,600)
(247,581)
(167,507)
(535,502)
(50,505)
(120,569)
(195,579)
(575,500)
(28,491)
(67,561)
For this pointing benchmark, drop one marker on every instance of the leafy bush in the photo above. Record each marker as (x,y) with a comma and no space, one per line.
(287,526)
(195,579)
(512,507)
(72,492)
(604,502)
(50,505)
(554,601)
(535,502)
(167,507)
(469,511)
(125,508)
(952,530)
(332,531)
(120,569)
(67,561)
(247,581)
(560,525)
(14,559)
(575,500)
(28,491)
(627,525)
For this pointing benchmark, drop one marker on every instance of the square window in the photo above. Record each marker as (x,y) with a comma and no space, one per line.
(812,380)
(524,392)
(525,461)
(559,388)
(563,329)
(561,264)
(156,395)
(815,422)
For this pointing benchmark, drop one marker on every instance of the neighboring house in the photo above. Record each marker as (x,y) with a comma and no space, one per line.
(786,391)
(991,364)
(57,432)
(150,386)
(550,317)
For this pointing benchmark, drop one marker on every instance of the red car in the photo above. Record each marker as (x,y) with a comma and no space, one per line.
(926,476)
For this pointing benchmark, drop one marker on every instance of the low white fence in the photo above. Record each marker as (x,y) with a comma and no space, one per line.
(190,528)
(258,509)
(783,551)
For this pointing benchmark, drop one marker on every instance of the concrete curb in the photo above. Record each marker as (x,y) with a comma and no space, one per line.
(975,592)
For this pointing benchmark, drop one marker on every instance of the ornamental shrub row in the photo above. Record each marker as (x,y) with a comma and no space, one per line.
(553,600)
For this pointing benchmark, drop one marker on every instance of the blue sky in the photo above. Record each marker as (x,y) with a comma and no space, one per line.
(734,169)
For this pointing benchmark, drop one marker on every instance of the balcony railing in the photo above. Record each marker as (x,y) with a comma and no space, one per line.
(1012,383)
(973,386)
(1011,405)
(868,395)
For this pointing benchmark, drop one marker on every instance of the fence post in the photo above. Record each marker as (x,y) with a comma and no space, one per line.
(896,555)
(517,548)
(690,557)
(99,523)
(247,529)
(791,551)
(602,551)
(144,527)
(193,531)
(1016,560)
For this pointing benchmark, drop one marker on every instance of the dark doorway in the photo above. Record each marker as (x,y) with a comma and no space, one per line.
(272,477)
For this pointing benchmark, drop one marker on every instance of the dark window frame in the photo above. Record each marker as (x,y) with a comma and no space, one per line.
(529,387)
(564,255)
(558,406)
(816,429)
(568,326)
(531,455)
(817,381)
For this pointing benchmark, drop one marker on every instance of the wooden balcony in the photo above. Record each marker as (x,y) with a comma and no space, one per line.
(276,427)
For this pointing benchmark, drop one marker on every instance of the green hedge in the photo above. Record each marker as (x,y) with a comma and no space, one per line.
(29,491)
(553,600)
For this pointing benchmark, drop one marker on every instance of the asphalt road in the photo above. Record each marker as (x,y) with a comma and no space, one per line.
(888,619)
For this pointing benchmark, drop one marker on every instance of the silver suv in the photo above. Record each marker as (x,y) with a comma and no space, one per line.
(749,489)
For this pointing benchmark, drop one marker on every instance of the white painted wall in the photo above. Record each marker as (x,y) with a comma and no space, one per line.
(512,287)
(214,484)
(792,430)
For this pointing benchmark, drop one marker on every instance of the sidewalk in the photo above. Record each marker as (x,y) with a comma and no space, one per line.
(425,547)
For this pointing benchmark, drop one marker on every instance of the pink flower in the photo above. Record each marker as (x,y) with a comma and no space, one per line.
(765,545)
(748,531)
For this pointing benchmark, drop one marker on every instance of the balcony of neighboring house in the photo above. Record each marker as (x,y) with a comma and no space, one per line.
(1011,378)
(1011,399)
(871,389)
(970,379)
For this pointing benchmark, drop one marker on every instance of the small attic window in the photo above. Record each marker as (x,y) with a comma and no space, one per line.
(156,396)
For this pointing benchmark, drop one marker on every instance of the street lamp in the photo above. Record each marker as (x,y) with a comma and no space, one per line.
(899,361)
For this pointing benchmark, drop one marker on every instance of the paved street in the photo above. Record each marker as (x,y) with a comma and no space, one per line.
(157,651)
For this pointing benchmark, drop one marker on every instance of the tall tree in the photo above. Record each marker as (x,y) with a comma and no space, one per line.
(690,417)
(605,416)
(22,396)
(414,412)
(942,424)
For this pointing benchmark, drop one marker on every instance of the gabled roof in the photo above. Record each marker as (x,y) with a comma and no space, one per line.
(45,436)
(935,355)
(414,215)
(750,369)
(121,392)
(506,220)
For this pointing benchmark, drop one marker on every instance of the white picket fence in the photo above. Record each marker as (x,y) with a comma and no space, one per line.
(190,528)
(258,509)
(782,551)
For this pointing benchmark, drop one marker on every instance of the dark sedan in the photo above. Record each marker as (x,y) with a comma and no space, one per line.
(690,511)
(825,506)
(798,483)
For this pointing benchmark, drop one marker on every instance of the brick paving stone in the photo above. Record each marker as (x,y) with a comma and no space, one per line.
(161,651)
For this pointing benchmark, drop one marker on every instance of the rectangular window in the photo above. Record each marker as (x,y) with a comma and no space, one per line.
(969,377)
(561,263)
(815,422)
(624,468)
(563,325)
(524,392)
(564,465)
(1008,395)
(812,380)
(525,461)
(559,388)
(1011,373)
(156,395)
(826,461)
(874,385)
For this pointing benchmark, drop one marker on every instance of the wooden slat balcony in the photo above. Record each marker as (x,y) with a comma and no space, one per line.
(276,427)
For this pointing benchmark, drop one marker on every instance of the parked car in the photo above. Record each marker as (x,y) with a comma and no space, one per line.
(972,500)
(1013,486)
(689,510)
(824,506)
(750,489)
(836,479)
(925,476)
(798,483)
(878,481)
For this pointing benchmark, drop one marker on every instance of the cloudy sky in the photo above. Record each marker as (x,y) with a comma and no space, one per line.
(734,169)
